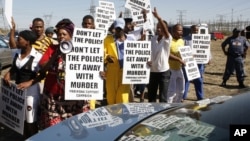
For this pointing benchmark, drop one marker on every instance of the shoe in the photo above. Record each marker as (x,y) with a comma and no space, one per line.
(141,100)
(223,84)
(241,85)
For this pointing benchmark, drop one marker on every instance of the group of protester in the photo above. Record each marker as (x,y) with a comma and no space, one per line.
(39,67)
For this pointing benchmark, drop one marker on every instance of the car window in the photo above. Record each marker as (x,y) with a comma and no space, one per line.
(3,44)
(179,124)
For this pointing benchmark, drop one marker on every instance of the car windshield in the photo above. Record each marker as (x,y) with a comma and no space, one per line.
(177,124)
(3,44)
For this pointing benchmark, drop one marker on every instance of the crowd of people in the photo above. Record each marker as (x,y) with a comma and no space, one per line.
(39,67)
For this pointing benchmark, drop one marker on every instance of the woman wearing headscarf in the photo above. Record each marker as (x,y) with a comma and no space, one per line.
(54,108)
(25,68)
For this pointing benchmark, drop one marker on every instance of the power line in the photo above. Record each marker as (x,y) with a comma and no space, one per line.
(181,15)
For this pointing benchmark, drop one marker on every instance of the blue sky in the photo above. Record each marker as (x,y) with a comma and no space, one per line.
(192,10)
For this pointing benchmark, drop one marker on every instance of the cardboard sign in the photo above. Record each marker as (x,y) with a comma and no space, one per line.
(102,19)
(136,56)
(191,67)
(83,66)
(201,47)
(8,11)
(109,6)
(12,107)
(137,4)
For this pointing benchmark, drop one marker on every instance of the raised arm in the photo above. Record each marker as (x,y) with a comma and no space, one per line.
(164,26)
(12,41)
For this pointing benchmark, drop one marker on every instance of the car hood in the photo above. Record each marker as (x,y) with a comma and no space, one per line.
(106,122)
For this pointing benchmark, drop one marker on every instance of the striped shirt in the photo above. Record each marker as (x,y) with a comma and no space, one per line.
(43,44)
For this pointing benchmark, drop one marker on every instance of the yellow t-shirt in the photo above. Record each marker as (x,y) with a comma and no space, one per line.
(174,50)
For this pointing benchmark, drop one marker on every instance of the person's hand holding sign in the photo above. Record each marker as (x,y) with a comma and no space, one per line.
(149,63)
(110,59)
(7,79)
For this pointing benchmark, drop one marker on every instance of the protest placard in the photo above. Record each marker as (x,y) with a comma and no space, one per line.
(109,6)
(83,66)
(102,19)
(137,4)
(136,56)
(12,107)
(191,67)
(201,48)
(8,4)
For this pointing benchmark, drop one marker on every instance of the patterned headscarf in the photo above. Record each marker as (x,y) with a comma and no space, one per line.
(67,25)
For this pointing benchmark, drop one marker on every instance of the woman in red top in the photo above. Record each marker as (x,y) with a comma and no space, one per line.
(54,108)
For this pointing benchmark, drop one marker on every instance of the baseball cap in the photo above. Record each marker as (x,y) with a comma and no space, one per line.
(120,22)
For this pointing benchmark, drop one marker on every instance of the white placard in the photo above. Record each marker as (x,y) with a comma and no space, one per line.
(191,66)
(12,107)
(102,19)
(83,66)
(110,6)
(8,11)
(137,4)
(136,56)
(201,48)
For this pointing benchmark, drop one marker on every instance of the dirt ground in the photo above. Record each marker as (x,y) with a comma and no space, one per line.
(214,73)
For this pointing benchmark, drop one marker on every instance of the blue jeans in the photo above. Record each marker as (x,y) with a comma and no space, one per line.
(198,83)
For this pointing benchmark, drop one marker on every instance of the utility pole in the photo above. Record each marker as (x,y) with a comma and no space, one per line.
(220,21)
(92,8)
(47,19)
(181,15)
(232,20)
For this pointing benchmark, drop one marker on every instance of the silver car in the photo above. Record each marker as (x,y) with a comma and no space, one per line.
(5,54)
